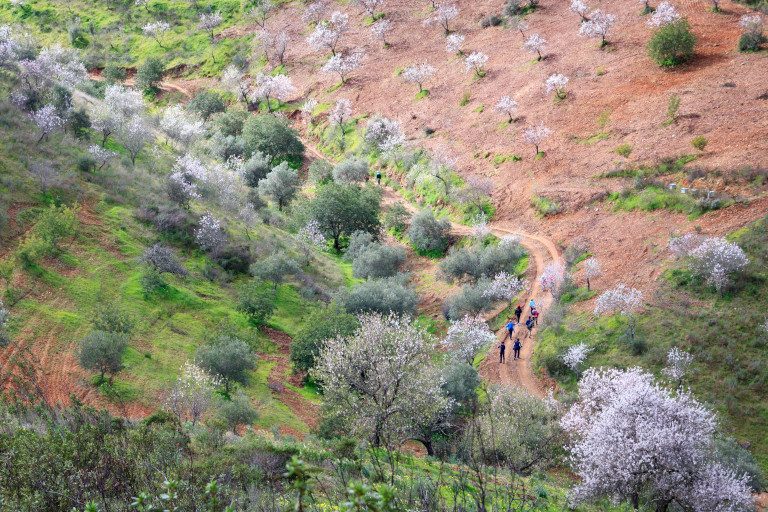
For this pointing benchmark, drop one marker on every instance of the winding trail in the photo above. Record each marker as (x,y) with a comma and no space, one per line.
(541,251)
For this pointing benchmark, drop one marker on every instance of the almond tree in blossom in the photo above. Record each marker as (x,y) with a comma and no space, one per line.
(344,65)
(598,25)
(156,30)
(327,35)
(678,363)
(310,238)
(580,8)
(443,15)
(553,278)
(476,62)
(557,83)
(624,300)
(315,12)
(418,74)
(371,6)
(575,356)
(506,106)
(634,442)
(505,287)
(592,269)
(279,87)
(261,13)
(466,338)
(535,135)
(385,134)
(535,44)
(275,45)
(664,15)
(209,234)
(380,29)
(715,260)
(454,43)
(382,380)
(47,121)
(209,22)
(192,395)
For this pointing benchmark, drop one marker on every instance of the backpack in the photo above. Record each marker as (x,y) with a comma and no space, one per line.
(529,323)
(517,345)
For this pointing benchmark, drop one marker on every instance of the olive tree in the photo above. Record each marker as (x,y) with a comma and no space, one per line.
(340,210)
(103,351)
(229,358)
(427,233)
(280,184)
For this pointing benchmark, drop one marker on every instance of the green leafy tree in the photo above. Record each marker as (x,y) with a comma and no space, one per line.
(280,184)
(271,136)
(229,358)
(149,74)
(206,103)
(103,351)
(274,268)
(56,224)
(428,234)
(340,210)
(256,301)
(80,123)
(672,44)
(322,324)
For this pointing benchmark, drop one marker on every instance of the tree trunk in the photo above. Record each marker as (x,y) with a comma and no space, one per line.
(588,284)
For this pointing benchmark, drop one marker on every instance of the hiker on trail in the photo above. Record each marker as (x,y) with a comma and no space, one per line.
(502,348)
(535,315)
(511,328)
(529,325)
(378,177)
(516,348)
(532,304)
(518,312)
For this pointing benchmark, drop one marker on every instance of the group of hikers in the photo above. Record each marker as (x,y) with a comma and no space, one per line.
(533,320)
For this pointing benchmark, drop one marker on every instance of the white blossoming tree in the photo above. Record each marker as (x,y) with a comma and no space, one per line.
(341,113)
(443,15)
(308,109)
(505,287)
(101,155)
(467,337)
(535,135)
(592,269)
(535,44)
(580,8)
(209,22)
(557,83)
(279,87)
(664,15)
(506,106)
(476,62)
(454,43)
(715,260)
(382,380)
(753,25)
(327,35)
(553,278)
(262,12)
(380,30)
(370,6)
(310,238)
(344,65)
(385,134)
(156,30)
(315,12)
(634,442)
(678,363)
(624,300)
(192,395)
(575,356)
(418,74)
(275,45)
(209,234)
(47,121)
(597,26)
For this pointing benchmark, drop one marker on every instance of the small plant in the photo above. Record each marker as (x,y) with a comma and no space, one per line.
(465,99)
(699,142)
(752,38)
(600,71)
(603,119)
(623,150)
(673,105)
(546,206)
(672,44)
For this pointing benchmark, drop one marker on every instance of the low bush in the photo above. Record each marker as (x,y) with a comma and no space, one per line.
(546,206)
(672,44)
(750,42)
(428,234)
(481,261)
(383,296)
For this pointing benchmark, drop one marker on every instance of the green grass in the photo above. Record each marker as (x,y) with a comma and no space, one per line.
(654,198)
(592,139)
(545,206)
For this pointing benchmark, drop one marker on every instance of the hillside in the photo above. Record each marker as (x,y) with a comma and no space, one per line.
(252,264)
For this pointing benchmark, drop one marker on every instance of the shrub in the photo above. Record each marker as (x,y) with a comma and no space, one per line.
(256,169)
(750,42)
(86,163)
(492,20)
(699,142)
(358,242)
(80,123)
(256,301)
(396,219)
(320,172)
(281,184)
(672,44)
(206,103)
(378,260)
(428,234)
(102,351)
(471,300)
(238,411)
(460,383)
(113,73)
(110,317)
(352,170)
(235,259)
(152,280)
(226,146)
(163,259)
(149,74)
(623,150)
(274,268)
(321,325)
(733,456)
(546,206)
(56,224)
(380,296)
(481,261)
